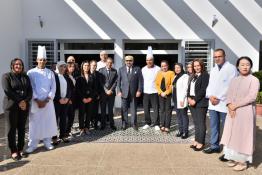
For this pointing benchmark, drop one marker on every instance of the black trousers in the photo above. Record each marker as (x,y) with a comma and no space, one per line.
(107,102)
(182,120)
(71,117)
(151,100)
(16,121)
(61,118)
(94,114)
(84,114)
(199,119)
(126,102)
(165,110)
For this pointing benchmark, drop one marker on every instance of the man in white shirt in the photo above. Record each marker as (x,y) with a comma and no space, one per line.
(220,76)
(149,73)
(42,118)
(103,57)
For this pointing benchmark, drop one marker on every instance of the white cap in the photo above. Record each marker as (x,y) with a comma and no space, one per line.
(149,52)
(41,52)
(58,64)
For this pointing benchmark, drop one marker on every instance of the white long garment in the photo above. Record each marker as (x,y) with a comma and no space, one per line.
(42,121)
(149,76)
(181,90)
(100,64)
(218,84)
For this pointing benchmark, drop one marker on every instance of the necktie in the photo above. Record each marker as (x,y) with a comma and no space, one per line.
(129,73)
(108,73)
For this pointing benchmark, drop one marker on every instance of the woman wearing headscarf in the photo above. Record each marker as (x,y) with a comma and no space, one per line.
(180,85)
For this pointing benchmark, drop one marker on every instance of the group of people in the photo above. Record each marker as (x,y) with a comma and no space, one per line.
(50,98)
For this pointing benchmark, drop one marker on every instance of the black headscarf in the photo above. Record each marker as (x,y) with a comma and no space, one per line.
(180,74)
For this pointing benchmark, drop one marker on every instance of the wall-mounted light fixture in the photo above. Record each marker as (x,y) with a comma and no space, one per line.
(214,21)
(41,23)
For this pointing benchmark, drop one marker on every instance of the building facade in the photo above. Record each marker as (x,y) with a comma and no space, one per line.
(178,30)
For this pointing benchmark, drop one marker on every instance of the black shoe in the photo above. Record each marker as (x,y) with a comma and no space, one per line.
(179,134)
(65,140)
(113,128)
(124,127)
(198,149)
(102,128)
(222,158)
(184,136)
(192,146)
(16,158)
(23,154)
(135,128)
(210,150)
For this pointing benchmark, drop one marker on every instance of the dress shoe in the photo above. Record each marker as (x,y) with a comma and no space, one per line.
(23,154)
(210,150)
(184,136)
(222,158)
(179,134)
(192,146)
(240,167)
(198,149)
(113,128)
(135,128)
(65,140)
(102,128)
(16,156)
(231,163)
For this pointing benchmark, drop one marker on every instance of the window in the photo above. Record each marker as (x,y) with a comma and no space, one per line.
(198,49)
(32,52)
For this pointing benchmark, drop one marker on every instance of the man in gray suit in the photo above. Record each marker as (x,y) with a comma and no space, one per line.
(108,81)
(130,86)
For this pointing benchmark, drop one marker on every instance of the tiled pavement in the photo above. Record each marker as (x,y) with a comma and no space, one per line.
(84,157)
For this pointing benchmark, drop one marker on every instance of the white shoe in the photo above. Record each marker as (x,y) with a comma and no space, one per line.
(49,147)
(146,127)
(157,128)
(30,150)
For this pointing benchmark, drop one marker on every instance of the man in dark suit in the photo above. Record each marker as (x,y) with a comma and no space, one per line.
(130,86)
(108,81)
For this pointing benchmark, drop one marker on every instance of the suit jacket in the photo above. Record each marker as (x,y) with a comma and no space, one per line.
(16,90)
(58,91)
(85,89)
(200,90)
(108,82)
(132,85)
(96,76)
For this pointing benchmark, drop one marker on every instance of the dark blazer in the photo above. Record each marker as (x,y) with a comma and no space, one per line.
(71,85)
(16,90)
(200,90)
(96,76)
(133,85)
(85,89)
(58,92)
(108,82)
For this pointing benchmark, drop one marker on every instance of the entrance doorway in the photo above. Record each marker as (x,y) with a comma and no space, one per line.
(82,57)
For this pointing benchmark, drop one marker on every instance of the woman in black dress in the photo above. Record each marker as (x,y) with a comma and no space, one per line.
(18,93)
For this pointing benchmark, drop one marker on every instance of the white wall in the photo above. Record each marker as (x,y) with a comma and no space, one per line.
(10,36)
(238,30)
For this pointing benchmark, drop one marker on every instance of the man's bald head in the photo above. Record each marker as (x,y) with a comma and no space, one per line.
(71,59)
(103,56)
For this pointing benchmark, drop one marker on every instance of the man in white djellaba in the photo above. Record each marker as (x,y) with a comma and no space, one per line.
(42,119)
